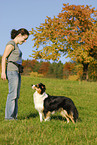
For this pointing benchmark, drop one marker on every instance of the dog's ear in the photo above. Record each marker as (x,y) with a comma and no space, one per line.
(43,87)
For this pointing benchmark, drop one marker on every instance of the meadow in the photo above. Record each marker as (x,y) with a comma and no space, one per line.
(28,130)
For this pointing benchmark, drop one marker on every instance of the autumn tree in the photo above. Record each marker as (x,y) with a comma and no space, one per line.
(44,68)
(72,32)
(30,65)
(68,69)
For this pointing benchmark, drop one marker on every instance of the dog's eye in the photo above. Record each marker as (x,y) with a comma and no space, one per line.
(37,86)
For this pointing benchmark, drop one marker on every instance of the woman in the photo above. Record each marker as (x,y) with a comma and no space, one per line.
(13,53)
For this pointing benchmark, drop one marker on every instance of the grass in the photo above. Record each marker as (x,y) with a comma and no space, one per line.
(28,130)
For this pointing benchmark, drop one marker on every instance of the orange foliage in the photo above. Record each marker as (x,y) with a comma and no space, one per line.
(29,63)
(44,68)
(72,32)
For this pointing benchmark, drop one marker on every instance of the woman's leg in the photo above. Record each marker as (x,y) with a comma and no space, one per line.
(12,98)
(16,108)
(18,94)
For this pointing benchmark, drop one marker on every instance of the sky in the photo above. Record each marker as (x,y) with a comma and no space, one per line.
(16,14)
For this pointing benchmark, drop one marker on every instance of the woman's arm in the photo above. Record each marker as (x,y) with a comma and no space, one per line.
(7,51)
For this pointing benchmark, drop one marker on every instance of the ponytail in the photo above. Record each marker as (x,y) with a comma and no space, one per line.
(21,31)
(13,33)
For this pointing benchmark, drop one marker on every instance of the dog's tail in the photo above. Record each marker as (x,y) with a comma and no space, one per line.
(75,114)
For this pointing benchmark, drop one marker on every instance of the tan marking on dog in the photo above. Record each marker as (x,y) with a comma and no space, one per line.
(37,89)
(69,116)
(64,114)
(48,115)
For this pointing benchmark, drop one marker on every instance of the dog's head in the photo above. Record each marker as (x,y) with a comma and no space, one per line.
(40,88)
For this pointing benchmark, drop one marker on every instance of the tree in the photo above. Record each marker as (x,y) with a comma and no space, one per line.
(72,32)
(44,68)
(55,70)
(59,70)
(29,66)
(68,69)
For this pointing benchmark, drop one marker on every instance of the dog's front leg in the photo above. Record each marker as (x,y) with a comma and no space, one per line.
(47,118)
(40,114)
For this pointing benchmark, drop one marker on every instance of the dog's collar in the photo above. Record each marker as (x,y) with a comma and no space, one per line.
(44,95)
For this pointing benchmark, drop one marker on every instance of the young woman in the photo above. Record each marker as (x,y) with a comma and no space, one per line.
(13,53)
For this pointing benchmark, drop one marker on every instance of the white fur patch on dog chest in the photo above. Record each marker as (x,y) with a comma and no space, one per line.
(39,100)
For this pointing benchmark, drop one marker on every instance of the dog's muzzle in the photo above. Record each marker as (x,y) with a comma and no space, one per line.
(33,86)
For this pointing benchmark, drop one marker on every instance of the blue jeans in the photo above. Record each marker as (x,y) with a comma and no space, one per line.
(14,82)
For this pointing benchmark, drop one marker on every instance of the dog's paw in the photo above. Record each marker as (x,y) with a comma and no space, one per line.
(47,119)
(41,120)
(67,121)
(53,112)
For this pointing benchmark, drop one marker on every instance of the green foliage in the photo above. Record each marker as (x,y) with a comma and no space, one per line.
(28,130)
(55,70)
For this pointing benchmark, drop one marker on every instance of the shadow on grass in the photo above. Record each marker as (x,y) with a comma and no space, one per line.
(31,115)
(58,117)
(53,117)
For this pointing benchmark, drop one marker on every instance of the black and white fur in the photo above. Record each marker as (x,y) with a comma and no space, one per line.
(46,104)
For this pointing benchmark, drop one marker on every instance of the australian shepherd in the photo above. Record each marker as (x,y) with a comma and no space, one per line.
(46,105)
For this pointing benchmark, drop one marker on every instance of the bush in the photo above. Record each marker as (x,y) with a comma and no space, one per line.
(35,74)
(73,78)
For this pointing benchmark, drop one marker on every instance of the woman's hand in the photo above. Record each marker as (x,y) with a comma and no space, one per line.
(3,76)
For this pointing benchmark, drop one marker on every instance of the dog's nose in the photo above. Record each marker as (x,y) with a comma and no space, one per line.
(31,85)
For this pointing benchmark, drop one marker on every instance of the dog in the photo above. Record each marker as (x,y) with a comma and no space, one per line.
(47,105)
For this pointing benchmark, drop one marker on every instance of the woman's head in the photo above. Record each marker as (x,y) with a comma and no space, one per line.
(21,34)
(21,31)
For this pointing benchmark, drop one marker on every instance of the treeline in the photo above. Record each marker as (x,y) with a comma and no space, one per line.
(69,70)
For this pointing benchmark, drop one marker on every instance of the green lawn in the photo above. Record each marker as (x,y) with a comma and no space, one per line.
(28,129)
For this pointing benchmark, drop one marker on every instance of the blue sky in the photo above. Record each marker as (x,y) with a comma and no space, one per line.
(16,14)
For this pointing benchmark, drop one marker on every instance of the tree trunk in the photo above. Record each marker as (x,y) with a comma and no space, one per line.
(85,71)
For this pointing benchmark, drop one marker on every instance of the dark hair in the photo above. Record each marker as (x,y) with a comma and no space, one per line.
(21,31)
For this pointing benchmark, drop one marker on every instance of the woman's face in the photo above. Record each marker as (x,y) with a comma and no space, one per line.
(22,38)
